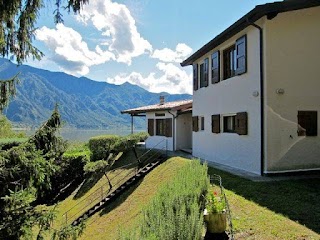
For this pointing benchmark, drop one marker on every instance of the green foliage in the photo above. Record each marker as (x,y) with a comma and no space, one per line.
(45,138)
(175,212)
(6,128)
(102,146)
(7,90)
(8,143)
(27,172)
(69,232)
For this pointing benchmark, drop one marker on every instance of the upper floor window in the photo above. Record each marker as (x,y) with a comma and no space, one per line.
(229,124)
(195,77)
(229,62)
(204,73)
(235,58)
(202,123)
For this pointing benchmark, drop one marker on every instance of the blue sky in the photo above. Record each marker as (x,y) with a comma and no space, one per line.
(138,41)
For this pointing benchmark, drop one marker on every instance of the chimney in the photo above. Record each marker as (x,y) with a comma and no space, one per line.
(161,100)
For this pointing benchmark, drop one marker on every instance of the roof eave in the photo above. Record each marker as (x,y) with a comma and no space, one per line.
(252,16)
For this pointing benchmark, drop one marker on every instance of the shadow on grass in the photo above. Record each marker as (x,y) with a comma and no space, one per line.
(296,199)
(119,200)
(122,163)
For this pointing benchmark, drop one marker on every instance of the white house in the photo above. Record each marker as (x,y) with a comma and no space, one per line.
(169,124)
(256,94)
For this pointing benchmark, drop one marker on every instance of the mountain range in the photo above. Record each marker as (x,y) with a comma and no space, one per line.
(83,103)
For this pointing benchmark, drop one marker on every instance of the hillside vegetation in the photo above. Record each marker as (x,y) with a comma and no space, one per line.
(83,103)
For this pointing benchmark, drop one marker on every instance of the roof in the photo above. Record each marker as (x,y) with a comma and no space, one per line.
(176,105)
(270,10)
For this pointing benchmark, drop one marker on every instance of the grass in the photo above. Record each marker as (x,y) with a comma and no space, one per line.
(273,210)
(260,210)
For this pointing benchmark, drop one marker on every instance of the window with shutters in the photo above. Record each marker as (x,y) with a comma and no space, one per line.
(215,67)
(307,123)
(204,73)
(195,77)
(201,119)
(161,127)
(235,58)
(229,62)
(229,125)
(164,127)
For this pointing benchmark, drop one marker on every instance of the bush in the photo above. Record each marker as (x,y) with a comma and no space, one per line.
(10,143)
(176,211)
(102,146)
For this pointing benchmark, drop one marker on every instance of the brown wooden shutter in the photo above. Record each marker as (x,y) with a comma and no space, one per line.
(241,123)
(195,77)
(151,127)
(195,123)
(215,67)
(168,127)
(241,55)
(206,72)
(215,123)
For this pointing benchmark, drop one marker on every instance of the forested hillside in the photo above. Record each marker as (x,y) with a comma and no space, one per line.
(83,103)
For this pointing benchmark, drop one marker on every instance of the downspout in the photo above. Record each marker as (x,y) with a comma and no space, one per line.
(261,95)
(173,129)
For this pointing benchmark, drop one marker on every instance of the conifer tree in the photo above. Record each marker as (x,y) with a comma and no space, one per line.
(17,29)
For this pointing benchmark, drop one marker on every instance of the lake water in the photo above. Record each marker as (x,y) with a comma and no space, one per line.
(83,135)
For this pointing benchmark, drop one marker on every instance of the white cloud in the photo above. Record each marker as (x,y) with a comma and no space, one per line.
(118,26)
(167,55)
(71,53)
(172,80)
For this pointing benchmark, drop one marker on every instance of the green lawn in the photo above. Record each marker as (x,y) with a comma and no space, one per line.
(273,210)
(260,210)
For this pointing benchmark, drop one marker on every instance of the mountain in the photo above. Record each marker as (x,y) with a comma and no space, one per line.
(83,103)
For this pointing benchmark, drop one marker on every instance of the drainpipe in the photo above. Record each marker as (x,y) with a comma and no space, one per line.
(261,94)
(173,129)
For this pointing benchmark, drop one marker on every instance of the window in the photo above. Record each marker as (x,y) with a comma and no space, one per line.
(202,123)
(159,114)
(229,62)
(235,58)
(215,67)
(229,124)
(164,127)
(204,73)
(195,77)
(307,123)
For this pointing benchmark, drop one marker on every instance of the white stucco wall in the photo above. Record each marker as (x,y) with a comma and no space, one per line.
(227,97)
(184,131)
(292,63)
(159,142)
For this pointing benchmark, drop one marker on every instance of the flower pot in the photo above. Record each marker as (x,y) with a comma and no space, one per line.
(217,222)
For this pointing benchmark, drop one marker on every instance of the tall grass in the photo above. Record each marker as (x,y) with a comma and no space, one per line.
(175,212)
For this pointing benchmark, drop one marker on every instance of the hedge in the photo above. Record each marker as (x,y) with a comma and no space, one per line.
(102,146)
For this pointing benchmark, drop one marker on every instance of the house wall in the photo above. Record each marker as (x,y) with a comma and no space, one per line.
(292,60)
(184,131)
(159,142)
(228,97)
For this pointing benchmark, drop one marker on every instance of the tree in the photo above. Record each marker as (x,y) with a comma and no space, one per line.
(17,29)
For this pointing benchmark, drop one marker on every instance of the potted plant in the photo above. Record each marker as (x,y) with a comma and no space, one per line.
(215,212)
